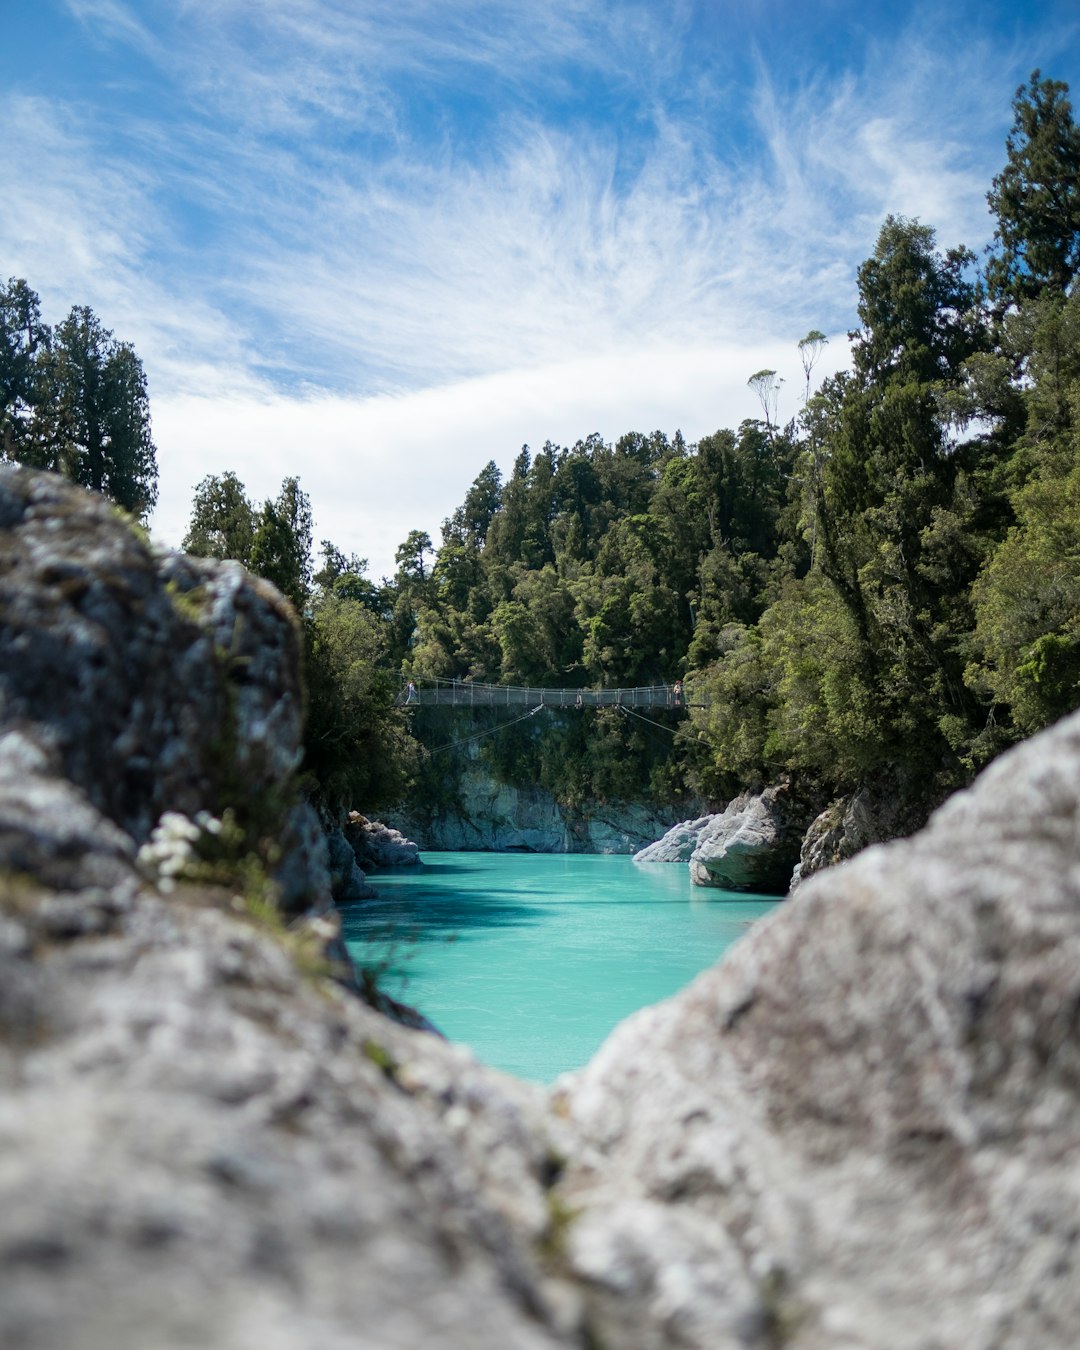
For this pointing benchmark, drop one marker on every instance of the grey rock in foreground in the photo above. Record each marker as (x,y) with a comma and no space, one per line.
(202,1146)
(861,1128)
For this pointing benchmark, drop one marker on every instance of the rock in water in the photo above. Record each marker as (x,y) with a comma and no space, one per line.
(753,845)
(377,845)
(861,1128)
(678,844)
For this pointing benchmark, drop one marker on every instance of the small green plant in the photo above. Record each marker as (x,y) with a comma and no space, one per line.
(381,1058)
(560,1215)
(189,603)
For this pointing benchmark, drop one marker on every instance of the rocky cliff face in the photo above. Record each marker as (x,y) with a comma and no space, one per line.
(883,809)
(859,1130)
(494,817)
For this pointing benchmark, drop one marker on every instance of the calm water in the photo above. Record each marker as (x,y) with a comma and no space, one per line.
(531,959)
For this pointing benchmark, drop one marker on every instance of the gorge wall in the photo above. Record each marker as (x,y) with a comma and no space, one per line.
(859,1130)
(497,817)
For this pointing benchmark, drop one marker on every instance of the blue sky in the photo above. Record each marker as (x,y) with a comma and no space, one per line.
(377,243)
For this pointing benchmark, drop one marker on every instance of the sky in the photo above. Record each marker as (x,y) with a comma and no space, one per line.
(378,243)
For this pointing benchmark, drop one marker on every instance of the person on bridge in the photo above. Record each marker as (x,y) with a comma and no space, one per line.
(676,689)
(410,693)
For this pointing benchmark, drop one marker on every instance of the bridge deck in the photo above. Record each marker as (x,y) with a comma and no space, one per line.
(467,694)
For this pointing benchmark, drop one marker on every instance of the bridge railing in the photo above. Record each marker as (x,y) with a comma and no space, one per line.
(470,694)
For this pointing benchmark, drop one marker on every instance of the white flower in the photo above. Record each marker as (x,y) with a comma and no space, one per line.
(173,846)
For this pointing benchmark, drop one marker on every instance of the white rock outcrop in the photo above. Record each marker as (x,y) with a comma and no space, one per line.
(678,844)
(752,845)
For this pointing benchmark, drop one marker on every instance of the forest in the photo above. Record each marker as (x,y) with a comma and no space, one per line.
(889,583)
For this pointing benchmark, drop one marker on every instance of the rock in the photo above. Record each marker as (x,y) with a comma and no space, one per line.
(377,845)
(752,845)
(138,683)
(860,1128)
(48,827)
(347,882)
(203,1146)
(887,808)
(303,876)
(493,817)
(678,844)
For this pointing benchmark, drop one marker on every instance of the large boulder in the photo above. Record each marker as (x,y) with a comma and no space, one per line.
(141,682)
(206,1144)
(861,1128)
(376,845)
(752,845)
(678,844)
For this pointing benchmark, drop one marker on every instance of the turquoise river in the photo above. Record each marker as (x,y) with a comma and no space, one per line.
(531,959)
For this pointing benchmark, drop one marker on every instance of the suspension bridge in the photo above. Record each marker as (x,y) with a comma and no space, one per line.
(471,694)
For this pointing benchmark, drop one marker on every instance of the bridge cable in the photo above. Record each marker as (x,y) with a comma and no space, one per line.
(641,717)
(491,731)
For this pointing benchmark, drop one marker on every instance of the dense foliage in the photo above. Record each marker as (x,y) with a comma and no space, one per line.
(73,399)
(357,748)
(890,582)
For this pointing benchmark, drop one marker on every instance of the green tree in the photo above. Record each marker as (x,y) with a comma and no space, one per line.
(24,341)
(98,418)
(766,384)
(223,520)
(918,308)
(1028,606)
(281,549)
(1036,197)
(346,578)
(410,556)
(357,748)
(810,348)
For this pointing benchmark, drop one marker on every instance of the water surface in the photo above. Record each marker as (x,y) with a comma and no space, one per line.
(531,959)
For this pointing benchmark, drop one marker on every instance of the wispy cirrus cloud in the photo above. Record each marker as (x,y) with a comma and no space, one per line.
(347,209)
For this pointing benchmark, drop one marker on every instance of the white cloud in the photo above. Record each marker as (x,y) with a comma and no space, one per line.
(377,468)
(326,274)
